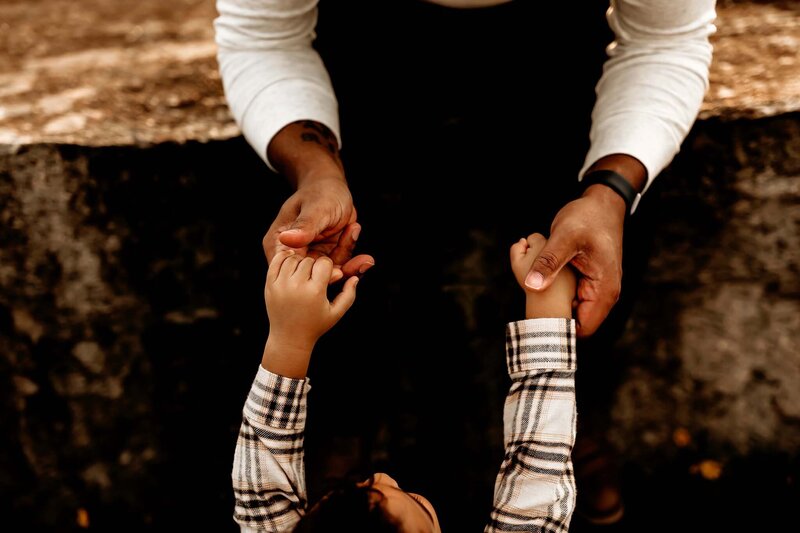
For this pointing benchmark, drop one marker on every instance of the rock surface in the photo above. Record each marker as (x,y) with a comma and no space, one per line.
(714,346)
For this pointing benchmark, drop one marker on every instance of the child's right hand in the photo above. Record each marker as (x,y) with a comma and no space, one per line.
(523,253)
(556,300)
(297,303)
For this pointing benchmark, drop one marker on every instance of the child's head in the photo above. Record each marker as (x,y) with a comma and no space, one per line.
(377,505)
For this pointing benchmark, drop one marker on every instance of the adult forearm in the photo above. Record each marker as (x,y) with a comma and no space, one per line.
(653,83)
(626,166)
(306,151)
(271,73)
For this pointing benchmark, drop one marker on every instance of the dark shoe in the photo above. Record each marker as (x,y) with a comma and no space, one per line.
(597,478)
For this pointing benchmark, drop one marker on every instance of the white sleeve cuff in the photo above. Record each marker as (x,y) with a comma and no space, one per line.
(636,134)
(284,102)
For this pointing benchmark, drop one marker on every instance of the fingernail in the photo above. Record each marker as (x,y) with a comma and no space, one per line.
(292,231)
(534,280)
(366,266)
(356,233)
(355,283)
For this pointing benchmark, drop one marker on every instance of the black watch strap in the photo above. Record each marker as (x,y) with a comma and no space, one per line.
(615,182)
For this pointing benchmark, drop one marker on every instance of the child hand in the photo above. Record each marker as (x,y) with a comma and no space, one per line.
(297,302)
(557,300)
(523,253)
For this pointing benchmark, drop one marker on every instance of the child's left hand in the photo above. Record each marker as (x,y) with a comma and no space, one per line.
(297,302)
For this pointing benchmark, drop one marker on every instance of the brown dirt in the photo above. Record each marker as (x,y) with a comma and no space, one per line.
(122,72)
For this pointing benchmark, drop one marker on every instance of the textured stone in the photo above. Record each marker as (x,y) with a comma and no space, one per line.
(714,345)
(104,330)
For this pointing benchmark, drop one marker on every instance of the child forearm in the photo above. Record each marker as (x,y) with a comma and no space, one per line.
(285,358)
(538,307)
(299,310)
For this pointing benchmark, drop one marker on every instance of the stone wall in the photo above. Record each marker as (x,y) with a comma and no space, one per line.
(128,303)
(123,321)
(714,345)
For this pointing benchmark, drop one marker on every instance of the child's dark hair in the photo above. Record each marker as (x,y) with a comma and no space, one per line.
(351,508)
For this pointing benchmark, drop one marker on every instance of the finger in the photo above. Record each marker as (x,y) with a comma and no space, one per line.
(304,268)
(536,242)
(289,266)
(276,264)
(310,223)
(286,216)
(343,250)
(358,265)
(336,275)
(322,271)
(345,299)
(557,252)
(518,250)
(590,314)
(272,245)
(594,305)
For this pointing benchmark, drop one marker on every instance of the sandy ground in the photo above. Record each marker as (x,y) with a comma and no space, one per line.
(126,72)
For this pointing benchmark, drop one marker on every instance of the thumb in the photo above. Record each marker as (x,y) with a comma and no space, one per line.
(308,225)
(556,253)
(344,300)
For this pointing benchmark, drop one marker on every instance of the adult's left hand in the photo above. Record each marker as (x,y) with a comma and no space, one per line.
(586,233)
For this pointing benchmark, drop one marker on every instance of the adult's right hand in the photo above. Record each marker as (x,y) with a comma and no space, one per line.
(320,220)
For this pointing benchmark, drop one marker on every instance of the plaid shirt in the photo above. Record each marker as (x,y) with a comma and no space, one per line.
(535,487)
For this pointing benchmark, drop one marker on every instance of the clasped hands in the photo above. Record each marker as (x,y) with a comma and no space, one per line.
(319,220)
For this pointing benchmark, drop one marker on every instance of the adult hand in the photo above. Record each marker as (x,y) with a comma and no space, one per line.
(319,220)
(587,233)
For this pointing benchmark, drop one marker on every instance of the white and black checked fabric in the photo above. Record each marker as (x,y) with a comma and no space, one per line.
(535,488)
(269,481)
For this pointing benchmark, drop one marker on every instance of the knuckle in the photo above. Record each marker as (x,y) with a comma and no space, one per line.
(547,261)
(615,294)
(537,238)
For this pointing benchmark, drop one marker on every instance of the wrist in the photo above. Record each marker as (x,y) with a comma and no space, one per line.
(607,197)
(556,300)
(623,174)
(540,305)
(626,166)
(319,174)
(291,343)
(305,151)
(287,357)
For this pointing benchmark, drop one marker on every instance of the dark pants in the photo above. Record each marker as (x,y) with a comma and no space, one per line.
(451,157)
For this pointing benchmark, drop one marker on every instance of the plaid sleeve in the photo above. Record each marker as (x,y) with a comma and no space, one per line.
(535,487)
(268,468)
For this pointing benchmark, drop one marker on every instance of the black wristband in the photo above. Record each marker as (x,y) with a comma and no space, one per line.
(616,183)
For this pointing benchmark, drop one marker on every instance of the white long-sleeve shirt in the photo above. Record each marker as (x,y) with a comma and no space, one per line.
(649,95)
